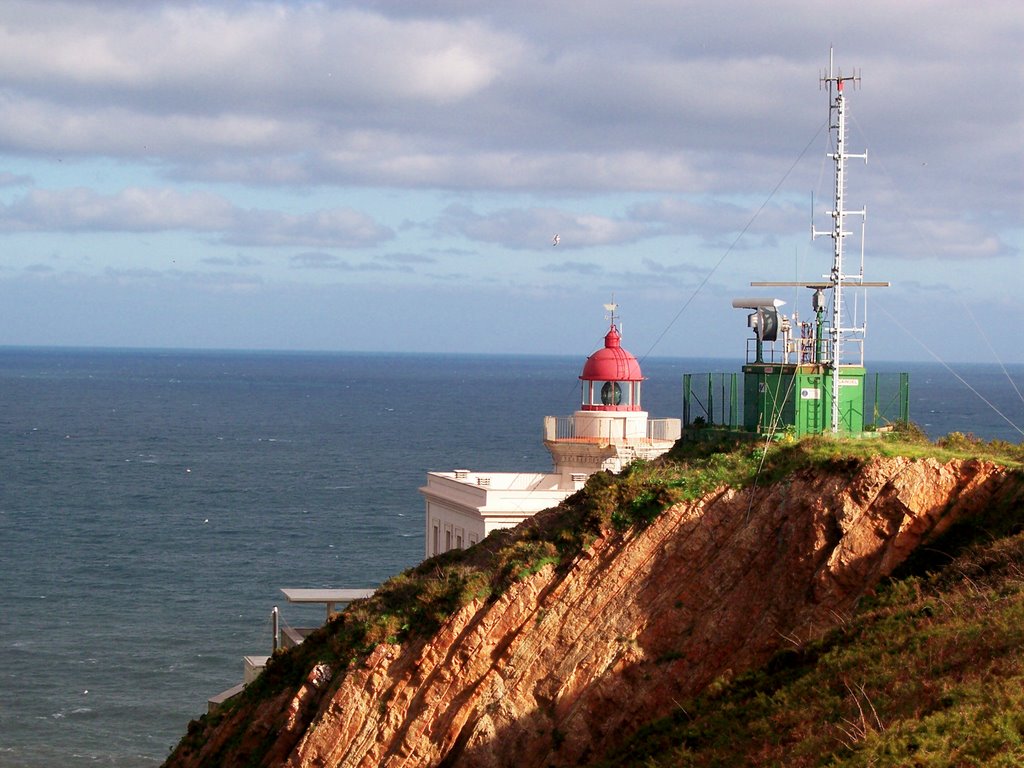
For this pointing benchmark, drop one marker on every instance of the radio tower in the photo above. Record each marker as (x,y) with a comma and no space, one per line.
(838,332)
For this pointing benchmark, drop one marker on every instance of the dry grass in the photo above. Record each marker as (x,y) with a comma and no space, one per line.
(929,673)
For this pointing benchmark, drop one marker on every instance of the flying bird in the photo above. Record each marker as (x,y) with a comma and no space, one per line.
(555,239)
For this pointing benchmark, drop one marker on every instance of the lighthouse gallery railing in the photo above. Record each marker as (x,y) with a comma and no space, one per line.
(564,428)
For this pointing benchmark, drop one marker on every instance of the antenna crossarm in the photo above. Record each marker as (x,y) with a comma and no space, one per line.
(813,284)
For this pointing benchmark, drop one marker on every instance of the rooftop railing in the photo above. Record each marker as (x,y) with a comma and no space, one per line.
(564,428)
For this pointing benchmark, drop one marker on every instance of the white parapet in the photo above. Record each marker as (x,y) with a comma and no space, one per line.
(463,507)
(611,426)
(252,667)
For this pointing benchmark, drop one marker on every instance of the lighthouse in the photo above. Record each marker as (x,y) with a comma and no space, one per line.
(608,430)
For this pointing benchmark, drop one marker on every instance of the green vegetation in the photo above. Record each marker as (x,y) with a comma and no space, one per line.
(906,440)
(929,673)
(867,712)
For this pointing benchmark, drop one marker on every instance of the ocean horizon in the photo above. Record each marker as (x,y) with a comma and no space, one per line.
(153,503)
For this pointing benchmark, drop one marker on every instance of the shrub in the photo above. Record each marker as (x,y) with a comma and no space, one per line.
(958,441)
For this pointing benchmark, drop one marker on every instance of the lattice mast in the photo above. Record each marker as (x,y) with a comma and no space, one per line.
(838,331)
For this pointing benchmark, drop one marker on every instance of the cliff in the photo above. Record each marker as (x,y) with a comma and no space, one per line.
(550,644)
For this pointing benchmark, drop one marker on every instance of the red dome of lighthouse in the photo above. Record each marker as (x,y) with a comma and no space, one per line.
(613,363)
(611,377)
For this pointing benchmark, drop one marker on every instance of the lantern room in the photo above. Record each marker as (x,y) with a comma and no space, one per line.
(611,377)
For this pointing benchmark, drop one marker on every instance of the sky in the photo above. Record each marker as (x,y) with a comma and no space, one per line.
(391,176)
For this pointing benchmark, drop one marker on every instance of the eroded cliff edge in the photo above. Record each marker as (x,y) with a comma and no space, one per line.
(574,630)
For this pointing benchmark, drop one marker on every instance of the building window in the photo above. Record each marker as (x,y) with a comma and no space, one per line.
(437,539)
(447,540)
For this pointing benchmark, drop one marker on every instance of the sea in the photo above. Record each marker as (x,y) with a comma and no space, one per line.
(154,503)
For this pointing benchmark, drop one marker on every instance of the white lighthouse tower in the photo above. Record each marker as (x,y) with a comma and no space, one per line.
(608,431)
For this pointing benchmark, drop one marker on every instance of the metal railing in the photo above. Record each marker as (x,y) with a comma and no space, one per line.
(564,428)
(712,399)
(888,395)
(716,399)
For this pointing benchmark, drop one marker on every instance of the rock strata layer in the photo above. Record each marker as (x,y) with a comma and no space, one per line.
(564,664)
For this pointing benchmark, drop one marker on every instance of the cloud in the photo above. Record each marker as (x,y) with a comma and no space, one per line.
(164,209)
(426,137)
(194,82)
(534,228)
(214,283)
(8,179)
(407,258)
(460,96)
(316,260)
(252,50)
(658,267)
(582,268)
(240,260)
(934,234)
(715,220)
(131,210)
(335,228)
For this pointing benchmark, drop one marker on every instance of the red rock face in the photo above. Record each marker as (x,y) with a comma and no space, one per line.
(561,667)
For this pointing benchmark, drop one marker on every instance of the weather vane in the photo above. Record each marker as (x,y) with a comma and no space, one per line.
(610,310)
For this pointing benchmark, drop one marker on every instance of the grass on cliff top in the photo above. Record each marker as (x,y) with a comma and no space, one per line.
(411,606)
(787,453)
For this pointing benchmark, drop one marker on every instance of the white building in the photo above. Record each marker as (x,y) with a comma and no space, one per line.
(609,430)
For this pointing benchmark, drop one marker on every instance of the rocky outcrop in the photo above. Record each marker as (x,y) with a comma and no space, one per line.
(565,663)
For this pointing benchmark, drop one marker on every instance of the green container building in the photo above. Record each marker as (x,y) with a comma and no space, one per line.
(799,398)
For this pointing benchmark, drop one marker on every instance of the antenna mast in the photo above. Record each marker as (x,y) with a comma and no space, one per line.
(839,333)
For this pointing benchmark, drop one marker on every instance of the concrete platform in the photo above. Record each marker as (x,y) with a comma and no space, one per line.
(329,597)
(214,702)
